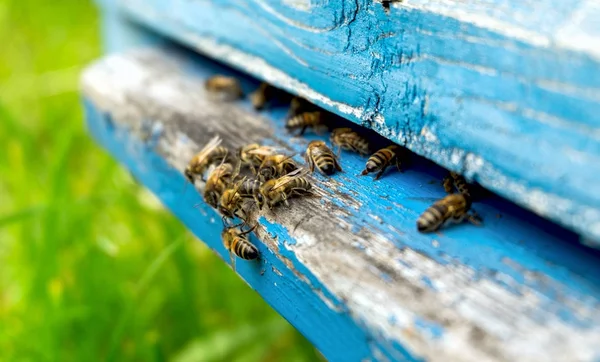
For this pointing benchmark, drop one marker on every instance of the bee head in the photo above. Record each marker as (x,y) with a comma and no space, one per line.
(189,174)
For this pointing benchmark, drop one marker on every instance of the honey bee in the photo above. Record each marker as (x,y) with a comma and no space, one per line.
(211,153)
(279,190)
(265,94)
(454,208)
(250,189)
(218,181)
(232,199)
(236,242)
(346,139)
(305,120)
(253,155)
(321,156)
(224,88)
(300,105)
(455,180)
(381,159)
(275,166)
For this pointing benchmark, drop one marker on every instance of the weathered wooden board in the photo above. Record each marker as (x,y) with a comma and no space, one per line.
(349,269)
(505,91)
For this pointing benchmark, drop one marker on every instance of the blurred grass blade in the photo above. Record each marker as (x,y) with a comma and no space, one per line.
(22,214)
(155,266)
(143,282)
(221,345)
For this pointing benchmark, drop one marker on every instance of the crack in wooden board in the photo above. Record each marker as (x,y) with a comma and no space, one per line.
(517,288)
(505,91)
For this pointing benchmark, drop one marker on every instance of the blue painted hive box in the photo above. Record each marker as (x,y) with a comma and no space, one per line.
(506,93)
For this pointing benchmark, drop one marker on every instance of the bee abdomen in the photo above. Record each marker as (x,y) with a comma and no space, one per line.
(326,164)
(244,249)
(303,183)
(306,119)
(379,159)
(432,218)
(250,188)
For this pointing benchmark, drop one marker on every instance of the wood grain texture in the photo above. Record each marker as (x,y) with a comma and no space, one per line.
(349,269)
(505,91)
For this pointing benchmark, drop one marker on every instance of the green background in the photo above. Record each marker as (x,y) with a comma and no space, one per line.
(91,266)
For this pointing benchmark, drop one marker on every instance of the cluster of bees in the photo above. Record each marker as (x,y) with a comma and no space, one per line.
(259,176)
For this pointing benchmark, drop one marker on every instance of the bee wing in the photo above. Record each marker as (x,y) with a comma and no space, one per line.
(283,180)
(240,183)
(266,151)
(209,147)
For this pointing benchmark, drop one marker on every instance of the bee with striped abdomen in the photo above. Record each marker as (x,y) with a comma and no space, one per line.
(455,180)
(236,242)
(218,181)
(305,120)
(224,88)
(253,155)
(275,166)
(381,159)
(346,139)
(454,208)
(210,154)
(279,190)
(321,156)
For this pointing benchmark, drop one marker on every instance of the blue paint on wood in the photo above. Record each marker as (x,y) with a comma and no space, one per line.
(332,331)
(448,89)
(515,250)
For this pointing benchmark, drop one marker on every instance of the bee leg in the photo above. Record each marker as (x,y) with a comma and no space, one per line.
(303,130)
(380,173)
(474,218)
(248,231)
(284,198)
(399,165)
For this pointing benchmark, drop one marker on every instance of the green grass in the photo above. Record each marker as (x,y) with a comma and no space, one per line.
(91,266)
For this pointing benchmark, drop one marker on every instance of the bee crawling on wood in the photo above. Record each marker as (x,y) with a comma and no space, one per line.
(266,94)
(455,180)
(346,139)
(236,242)
(233,199)
(381,159)
(321,156)
(454,208)
(279,190)
(274,166)
(218,181)
(224,88)
(304,121)
(253,155)
(210,154)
